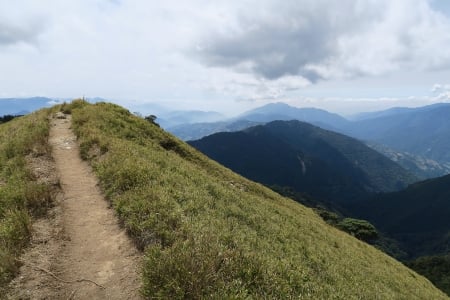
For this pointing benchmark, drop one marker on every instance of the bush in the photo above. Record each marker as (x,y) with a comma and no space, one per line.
(361,229)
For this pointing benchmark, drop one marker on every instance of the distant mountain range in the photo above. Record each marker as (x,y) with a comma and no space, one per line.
(264,114)
(416,138)
(175,118)
(198,130)
(420,166)
(421,131)
(326,165)
(394,111)
(285,112)
(23,106)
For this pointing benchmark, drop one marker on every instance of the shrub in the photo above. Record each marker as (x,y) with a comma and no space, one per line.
(361,229)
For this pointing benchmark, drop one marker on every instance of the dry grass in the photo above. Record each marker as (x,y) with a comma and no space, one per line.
(21,197)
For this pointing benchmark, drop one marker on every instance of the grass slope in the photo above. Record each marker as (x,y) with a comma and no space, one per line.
(21,196)
(209,233)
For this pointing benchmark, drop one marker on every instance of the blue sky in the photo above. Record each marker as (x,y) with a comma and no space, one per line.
(229,56)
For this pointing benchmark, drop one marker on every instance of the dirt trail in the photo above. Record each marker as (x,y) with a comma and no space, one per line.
(93,259)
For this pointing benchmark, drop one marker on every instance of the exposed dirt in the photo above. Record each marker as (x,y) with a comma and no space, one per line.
(79,251)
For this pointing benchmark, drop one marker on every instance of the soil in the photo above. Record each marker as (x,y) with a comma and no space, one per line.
(79,250)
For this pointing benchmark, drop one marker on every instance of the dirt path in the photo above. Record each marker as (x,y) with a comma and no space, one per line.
(94,259)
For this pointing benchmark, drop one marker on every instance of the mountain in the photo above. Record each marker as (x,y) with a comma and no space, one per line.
(285,112)
(264,114)
(207,232)
(422,167)
(22,106)
(378,114)
(326,165)
(423,131)
(388,131)
(176,118)
(394,111)
(196,131)
(417,217)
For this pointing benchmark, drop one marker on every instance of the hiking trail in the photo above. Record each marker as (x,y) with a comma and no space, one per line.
(85,254)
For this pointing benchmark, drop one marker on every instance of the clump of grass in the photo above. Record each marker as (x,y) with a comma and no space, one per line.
(39,198)
(21,197)
(208,233)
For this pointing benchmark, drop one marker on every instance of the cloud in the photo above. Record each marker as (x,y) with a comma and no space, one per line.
(273,42)
(11,34)
(245,87)
(441,93)
(329,39)
(21,22)
(252,50)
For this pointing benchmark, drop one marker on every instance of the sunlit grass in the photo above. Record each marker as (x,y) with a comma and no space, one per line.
(209,233)
(21,197)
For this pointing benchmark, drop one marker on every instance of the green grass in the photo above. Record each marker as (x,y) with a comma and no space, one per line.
(208,233)
(21,197)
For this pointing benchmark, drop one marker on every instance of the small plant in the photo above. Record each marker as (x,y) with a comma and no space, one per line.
(39,198)
(152,119)
(65,108)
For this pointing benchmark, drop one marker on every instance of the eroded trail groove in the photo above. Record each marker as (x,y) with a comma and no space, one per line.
(79,251)
(97,249)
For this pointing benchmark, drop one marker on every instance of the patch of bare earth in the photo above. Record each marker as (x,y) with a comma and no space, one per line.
(79,251)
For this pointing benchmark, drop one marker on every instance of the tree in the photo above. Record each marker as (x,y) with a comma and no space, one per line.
(7,118)
(361,229)
(151,119)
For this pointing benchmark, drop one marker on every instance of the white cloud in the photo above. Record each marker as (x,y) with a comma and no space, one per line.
(263,50)
(441,93)
(330,39)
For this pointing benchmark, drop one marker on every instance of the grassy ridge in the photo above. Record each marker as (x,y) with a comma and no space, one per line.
(21,197)
(209,233)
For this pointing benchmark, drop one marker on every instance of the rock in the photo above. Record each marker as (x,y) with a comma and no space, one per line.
(60,115)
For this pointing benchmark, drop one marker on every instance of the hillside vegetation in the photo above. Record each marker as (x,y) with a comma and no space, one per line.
(209,233)
(436,268)
(417,217)
(326,165)
(21,196)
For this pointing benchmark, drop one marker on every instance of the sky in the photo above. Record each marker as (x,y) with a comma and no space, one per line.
(229,56)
